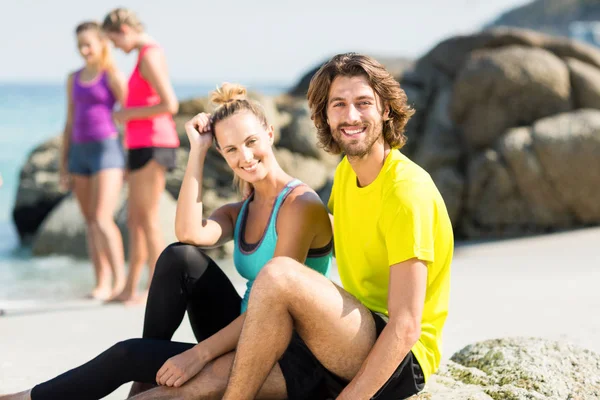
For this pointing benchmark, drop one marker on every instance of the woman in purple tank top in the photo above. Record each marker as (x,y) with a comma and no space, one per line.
(92,159)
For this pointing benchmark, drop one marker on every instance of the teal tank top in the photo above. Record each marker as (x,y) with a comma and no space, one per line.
(250,258)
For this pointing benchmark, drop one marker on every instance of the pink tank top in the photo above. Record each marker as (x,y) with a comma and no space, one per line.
(156,131)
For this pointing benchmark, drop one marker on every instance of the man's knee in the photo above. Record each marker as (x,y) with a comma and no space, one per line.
(278,274)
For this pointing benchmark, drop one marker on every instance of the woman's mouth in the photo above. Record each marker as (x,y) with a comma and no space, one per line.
(251,168)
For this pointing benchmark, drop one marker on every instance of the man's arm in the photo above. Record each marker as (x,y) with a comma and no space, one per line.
(406,298)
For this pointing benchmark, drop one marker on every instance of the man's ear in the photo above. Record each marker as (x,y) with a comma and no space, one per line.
(386,113)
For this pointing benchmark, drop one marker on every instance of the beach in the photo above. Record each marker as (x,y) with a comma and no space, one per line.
(544,286)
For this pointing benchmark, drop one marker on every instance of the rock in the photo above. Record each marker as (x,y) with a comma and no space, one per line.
(512,86)
(494,207)
(440,144)
(38,192)
(63,231)
(568,147)
(545,206)
(451,185)
(309,170)
(191,107)
(517,369)
(449,55)
(300,135)
(585,80)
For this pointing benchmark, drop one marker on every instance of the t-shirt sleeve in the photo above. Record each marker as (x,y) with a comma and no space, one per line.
(410,232)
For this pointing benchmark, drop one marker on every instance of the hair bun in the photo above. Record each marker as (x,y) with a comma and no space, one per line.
(227,93)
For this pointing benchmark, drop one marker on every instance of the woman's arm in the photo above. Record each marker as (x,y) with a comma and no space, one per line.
(153,67)
(179,369)
(118,86)
(303,220)
(66,137)
(190,226)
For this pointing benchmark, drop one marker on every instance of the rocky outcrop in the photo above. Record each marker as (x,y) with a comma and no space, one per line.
(517,369)
(499,118)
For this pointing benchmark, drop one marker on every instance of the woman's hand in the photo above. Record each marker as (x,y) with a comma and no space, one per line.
(198,131)
(179,369)
(121,116)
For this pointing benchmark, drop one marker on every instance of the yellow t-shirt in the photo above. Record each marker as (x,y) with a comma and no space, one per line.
(399,216)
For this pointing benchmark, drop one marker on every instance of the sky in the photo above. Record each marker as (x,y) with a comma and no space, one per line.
(266,41)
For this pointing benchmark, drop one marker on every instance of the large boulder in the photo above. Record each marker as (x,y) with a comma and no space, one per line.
(63,231)
(537,179)
(507,87)
(517,369)
(38,192)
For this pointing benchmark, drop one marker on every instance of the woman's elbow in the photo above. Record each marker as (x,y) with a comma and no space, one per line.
(173,107)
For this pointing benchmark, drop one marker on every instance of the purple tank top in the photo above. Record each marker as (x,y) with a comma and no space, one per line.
(94,102)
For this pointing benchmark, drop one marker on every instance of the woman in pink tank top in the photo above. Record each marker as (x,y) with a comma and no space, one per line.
(151,141)
(92,158)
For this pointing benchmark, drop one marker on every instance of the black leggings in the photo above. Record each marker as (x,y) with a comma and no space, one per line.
(184,279)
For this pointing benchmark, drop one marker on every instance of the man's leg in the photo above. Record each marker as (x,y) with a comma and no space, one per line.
(211,382)
(335,326)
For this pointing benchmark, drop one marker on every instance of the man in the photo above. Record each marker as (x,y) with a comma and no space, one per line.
(380,336)
(394,245)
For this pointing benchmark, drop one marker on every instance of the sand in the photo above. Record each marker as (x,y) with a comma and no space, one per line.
(544,286)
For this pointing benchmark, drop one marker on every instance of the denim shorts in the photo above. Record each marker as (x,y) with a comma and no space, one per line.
(88,158)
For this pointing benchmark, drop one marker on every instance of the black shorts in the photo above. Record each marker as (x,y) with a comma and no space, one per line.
(306,378)
(165,156)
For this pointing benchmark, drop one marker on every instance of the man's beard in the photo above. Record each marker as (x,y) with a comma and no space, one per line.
(361,149)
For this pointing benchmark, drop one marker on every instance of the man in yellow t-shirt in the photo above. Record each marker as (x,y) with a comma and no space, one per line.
(378,337)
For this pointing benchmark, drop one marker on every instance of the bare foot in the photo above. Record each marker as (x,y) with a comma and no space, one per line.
(100,293)
(118,289)
(26,395)
(137,299)
(128,298)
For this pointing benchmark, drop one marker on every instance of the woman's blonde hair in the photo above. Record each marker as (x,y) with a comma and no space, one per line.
(115,19)
(231,99)
(106,61)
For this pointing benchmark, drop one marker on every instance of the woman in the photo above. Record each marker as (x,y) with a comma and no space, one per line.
(282,217)
(151,141)
(92,158)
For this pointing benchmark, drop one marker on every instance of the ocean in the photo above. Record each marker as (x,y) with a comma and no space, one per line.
(31,113)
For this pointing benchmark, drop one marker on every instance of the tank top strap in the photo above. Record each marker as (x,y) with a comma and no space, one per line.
(241,216)
(145,48)
(281,198)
